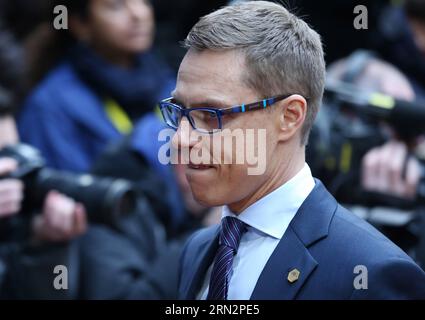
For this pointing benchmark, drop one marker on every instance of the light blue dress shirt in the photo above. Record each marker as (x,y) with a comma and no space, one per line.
(267,220)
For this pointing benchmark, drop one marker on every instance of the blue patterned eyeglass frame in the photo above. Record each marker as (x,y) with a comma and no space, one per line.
(185,112)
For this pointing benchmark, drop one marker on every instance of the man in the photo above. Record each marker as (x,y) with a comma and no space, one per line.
(62,218)
(282,235)
(31,248)
(383,166)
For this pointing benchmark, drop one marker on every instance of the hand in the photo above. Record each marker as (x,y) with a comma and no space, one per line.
(382,171)
(62,219)
(11,190)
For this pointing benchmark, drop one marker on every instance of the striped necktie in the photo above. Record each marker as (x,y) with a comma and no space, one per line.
(230,236)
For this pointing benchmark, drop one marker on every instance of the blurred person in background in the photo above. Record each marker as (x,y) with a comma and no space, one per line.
(140,260)
(135,158)
(400,40)
(382,166)
(31,243)
(96,79)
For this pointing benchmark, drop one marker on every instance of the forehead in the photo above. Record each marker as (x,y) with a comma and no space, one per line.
(209,75)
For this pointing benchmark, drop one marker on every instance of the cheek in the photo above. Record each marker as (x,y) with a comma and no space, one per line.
(111,25)
(108,30)
(227,185)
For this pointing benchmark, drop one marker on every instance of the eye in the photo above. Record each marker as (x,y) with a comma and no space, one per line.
(229,115)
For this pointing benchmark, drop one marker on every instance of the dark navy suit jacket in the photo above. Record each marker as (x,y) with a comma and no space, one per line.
(325,242)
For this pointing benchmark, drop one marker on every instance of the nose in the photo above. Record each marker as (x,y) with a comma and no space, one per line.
(184,137)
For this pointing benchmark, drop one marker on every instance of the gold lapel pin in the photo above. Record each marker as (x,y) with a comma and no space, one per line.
(293,275)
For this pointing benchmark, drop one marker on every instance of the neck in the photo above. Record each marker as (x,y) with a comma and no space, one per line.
(122,59)
(281,174)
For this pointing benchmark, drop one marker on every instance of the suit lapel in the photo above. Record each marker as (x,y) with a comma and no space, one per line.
(310,224)
(290,254)
(203,260)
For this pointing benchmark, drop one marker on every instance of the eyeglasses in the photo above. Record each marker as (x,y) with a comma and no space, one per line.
(208,120)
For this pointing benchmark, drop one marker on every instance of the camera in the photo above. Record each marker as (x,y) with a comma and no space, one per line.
(347,127)
(106,200)
(349,124)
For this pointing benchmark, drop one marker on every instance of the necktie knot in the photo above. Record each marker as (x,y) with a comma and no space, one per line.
(232,230)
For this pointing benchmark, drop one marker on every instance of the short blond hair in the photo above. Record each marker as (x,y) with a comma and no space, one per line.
(282,53)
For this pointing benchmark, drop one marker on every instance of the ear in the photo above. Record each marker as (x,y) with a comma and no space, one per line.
(80,28)
(291,118)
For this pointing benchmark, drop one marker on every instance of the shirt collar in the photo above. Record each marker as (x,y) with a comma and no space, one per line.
(273,213)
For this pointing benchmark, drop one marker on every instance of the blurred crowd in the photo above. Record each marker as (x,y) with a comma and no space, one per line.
(85,99)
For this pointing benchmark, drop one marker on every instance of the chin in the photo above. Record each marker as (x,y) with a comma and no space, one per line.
(207,198)
(140,44)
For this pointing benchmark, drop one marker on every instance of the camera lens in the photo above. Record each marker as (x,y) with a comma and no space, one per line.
(106,200)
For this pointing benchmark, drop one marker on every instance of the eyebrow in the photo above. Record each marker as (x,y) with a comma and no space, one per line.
(206,102)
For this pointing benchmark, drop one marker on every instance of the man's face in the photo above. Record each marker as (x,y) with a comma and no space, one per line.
(214,79)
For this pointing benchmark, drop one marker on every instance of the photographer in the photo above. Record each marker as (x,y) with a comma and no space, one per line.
(36,243)
(62,218)
(30,245)
(388,168)
(365,146)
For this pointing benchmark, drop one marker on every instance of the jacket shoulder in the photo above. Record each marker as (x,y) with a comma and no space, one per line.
(361,238)
(62,84)
(354,248)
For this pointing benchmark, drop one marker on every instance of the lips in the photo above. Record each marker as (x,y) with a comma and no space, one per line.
(199,166)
